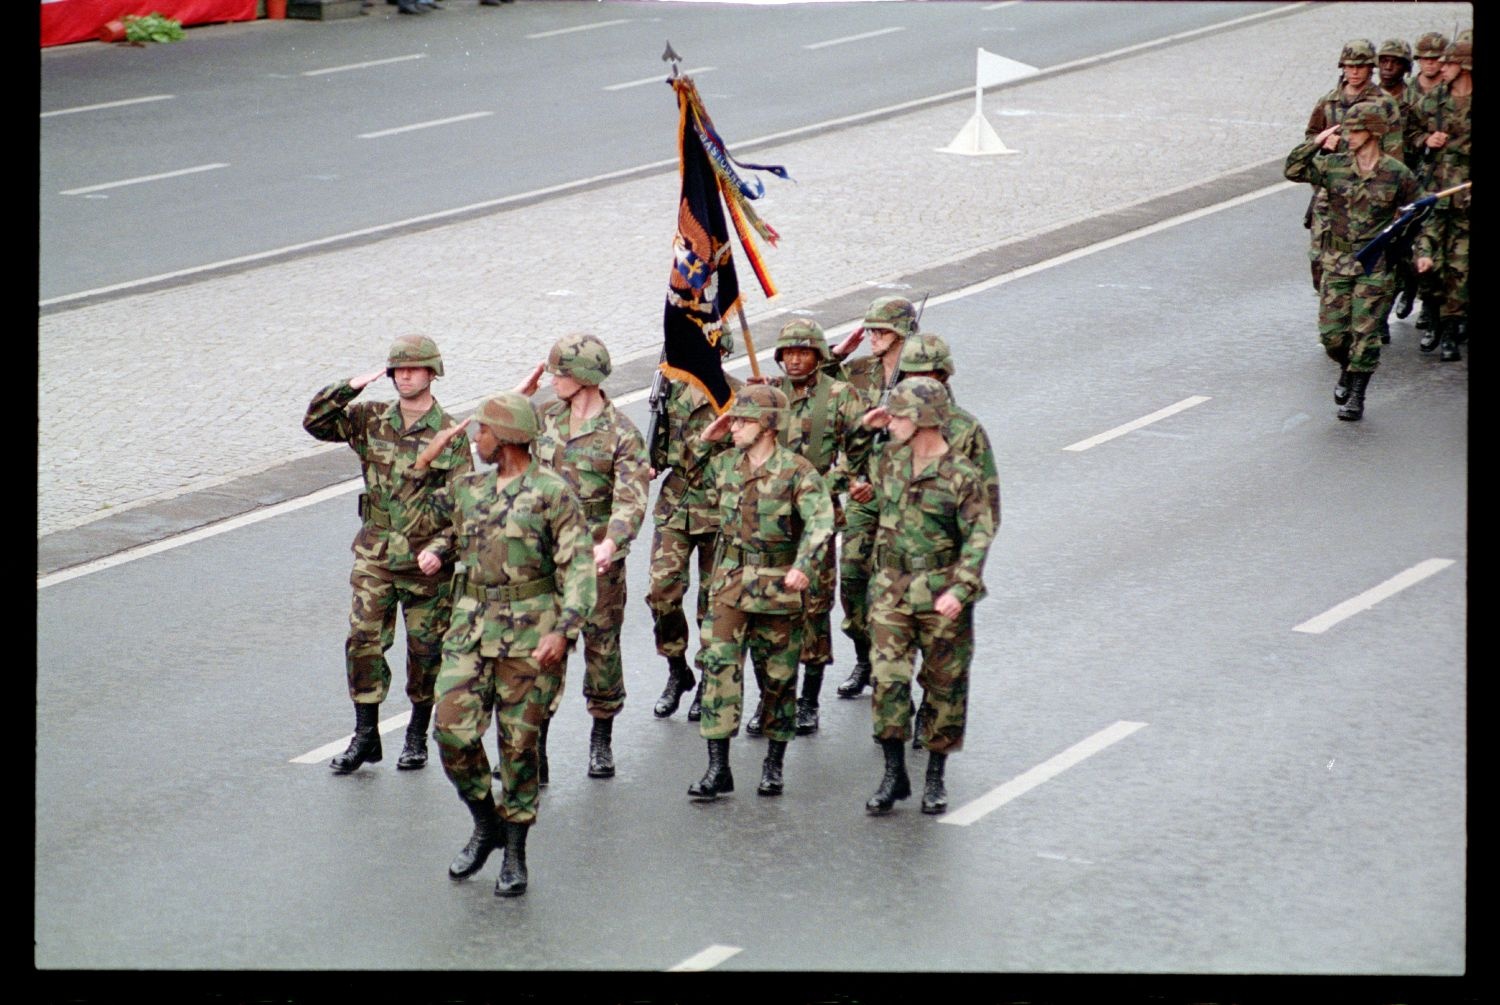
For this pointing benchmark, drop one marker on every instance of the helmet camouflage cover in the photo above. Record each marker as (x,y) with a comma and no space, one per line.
(1368,116)
(725,344)
(414,350)
(894,314)
(1431,45)
(1395,47)
(920,399)
(510,416)
(802,334)
(1460,51)
(1358,52)
(582,357)
(760,403)
(926,353)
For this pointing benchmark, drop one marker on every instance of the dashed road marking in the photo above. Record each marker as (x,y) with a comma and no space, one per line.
(658,79)
(1145,420)
(424,125)
(364,65)
(143,178)
(705,960)
(1373,596)
(108,104)
(579,27)
(326,751)
(854,38)
(1048,769)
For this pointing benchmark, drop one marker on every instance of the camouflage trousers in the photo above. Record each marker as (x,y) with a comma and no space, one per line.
(856,567)
(817,603)
(1350,312)
(947,647)
(773,641)
(603,670)
(425,603)
(671,559)
(1451,263)
(469,687)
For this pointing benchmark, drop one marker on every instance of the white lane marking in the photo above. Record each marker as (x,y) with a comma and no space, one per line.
(738,363)
(708,958)
(364,65)
(326,751)
(108,104)
(1145,420)
(580,27)
(143,178)
(1373,596)
(1000,6)
(423,125)
(1050,768)
(658,79)
(200,534)
(854,38)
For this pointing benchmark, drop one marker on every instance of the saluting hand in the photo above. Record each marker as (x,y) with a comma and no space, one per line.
(437,444)
(716,430)
(851,342)
(875,418)
(533,381)
(1328,139)
(365,380)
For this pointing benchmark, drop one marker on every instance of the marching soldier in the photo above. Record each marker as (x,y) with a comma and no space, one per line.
(395,524)
(1356,63)
(523,592)
(823,425)
(1365,189)
(927,355)
(775,520)
(935,529)
(600,453)
(685,524)
(1446,140)
(888,323)
(1394,59)
(1429,75)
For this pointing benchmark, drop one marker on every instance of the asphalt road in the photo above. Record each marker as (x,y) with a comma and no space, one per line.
(273,134)
(1285,801)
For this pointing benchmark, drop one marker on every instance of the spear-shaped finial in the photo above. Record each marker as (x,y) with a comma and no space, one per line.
(671,57)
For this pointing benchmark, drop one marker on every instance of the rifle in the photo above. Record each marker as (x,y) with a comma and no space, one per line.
(656,432)
(1395,230)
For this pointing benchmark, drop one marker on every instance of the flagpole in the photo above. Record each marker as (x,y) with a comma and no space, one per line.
(749,345)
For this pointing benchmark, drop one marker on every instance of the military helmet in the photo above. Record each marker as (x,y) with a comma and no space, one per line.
(920,399)
(582,357)
(895,314)
(510,416)
(1431,45)
(726,342)
(760,403)
(1358,52)
(802,333)
(414,350)
(926,352)
(1367,115)
(1397,47)
(1460,51)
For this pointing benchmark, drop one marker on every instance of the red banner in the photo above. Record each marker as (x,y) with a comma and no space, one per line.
(79,20)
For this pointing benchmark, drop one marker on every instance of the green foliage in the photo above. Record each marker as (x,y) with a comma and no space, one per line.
(152,27)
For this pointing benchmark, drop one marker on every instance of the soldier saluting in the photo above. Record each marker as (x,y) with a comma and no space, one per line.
(521,598)
(395,524)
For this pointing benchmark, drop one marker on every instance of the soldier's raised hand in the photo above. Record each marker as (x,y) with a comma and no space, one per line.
(533,380)
(437,444)
(875,418)
(851,342)
(716,430)
(365,380)
(1328,139)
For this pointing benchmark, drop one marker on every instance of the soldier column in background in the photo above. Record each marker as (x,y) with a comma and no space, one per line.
(1446,141)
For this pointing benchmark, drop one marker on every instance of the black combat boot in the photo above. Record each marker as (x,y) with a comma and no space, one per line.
(717,780)
(541,752)
(1354,409)
(414,753)
(1385,330)
(860,675)
(807,705)
(695,710)
(770,768)
(934,793)
(1448,351)
(919,725)
(364,745)
(679,682)
(409,7)
(485,839)
(1427,318)
(1406,301)
(601,758)
(894,784)
(1341,389)
(752,724)
(512,881)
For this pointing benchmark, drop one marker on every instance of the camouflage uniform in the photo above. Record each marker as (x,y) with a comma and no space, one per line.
(1351,303)
(1430,46)
(395,525)
(1447,227)
(868,376)
(526,571)
(1330,110)
(1407,101)
(773,517)
(685,524)
(934,532)
(824,427)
